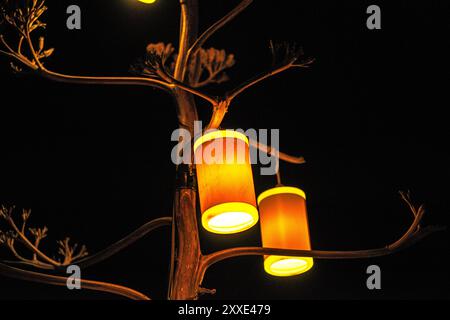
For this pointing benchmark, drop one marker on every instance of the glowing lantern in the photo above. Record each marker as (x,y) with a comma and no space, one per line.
(284,225)
(225,182)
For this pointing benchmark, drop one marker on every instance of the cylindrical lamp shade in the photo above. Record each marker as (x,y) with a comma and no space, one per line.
(284,225)
(225,182)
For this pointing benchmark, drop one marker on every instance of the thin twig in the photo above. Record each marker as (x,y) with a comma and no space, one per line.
(19,46)
(233,94)
(33,264)
(215,27)
(219,112)
(22,59)
(2,39)
(279,177)
(276,153)
(30,246)
(32,50)
(221,108)
(142,81)
(69,252)
(25,261)
(7,54)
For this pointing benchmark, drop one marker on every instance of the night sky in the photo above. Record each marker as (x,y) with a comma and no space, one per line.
(93,162)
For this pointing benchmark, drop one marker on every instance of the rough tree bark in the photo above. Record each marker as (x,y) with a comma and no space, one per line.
(188,253)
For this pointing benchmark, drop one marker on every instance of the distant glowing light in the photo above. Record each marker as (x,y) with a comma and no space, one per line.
(147,1)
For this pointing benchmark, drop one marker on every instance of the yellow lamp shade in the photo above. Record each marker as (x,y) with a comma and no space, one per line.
(284,225)
(225,182)
(147,1)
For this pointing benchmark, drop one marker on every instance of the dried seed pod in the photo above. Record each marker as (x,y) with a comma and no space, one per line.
(41,43)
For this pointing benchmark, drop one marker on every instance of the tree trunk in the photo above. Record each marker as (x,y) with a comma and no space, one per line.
(185,284)
(188,254)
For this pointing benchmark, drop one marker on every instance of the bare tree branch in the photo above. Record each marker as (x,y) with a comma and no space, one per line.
(16,55)
(174,83)
(139,81)
(186,34)
(23,239)
(291,56)
(24,29)
(219,112)
(215,27)
(411,236)
(5,43)
(276,153)
(125,242)
(70,253)
(29,263)
(9,54)
(24,261)
(26,275)
(233,94)
(40,260)
(318,254)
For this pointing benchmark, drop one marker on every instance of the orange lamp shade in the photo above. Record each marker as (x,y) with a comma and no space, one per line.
(284,225)
(225,182)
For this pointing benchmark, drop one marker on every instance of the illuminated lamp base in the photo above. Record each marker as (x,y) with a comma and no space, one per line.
(280,266)
(229,218)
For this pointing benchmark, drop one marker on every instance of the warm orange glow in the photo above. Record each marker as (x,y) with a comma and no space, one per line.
(284,225)
(225,182)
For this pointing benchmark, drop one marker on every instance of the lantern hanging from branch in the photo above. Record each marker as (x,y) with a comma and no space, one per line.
(284,225)
(225,182)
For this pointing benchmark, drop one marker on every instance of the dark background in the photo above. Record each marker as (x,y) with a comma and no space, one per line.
(370,117)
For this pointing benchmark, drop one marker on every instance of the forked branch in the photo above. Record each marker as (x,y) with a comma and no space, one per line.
(24,25)
(69,253)
(291,57)
(291,64)
(139,81)
(411,236)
